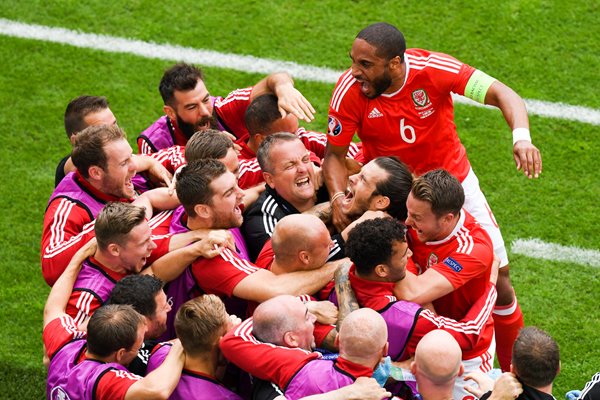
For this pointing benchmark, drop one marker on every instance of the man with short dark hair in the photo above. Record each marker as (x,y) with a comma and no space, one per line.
(263,118)
(146,295)
(380,254)
(288,171)
(189,107)
(399,103)
(85,111)
(535,362)
(93,364)
(452,253)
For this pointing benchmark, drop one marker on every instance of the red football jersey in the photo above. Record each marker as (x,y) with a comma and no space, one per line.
(416,123)
(464,258)
(220,275)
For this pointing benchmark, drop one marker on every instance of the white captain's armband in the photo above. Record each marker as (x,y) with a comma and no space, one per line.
(521,134)
(478,85)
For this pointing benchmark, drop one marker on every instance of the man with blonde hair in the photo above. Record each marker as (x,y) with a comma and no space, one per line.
(200,323)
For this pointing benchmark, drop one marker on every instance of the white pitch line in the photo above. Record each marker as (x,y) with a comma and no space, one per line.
(244,63)
(536,248)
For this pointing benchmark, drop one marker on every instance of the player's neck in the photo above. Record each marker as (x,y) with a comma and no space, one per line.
(397,80)
(200,364)
(198,223)
(109,261)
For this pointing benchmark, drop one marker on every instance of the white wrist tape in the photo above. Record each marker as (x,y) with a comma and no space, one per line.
(521,134)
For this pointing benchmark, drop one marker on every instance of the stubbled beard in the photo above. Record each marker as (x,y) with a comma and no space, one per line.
(381,84)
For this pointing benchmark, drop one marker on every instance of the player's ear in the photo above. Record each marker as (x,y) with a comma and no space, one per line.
(461,370)
(170,111)
(304,257)
(95,172)
(395,63)
(203,211)
(113,249)
(258,138)
(381,202)
(269,179)
(413,367)
(119,355)
(384,351)
(289,339)
(381,270)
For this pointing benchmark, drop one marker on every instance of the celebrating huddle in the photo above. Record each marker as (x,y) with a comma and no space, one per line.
(238,255)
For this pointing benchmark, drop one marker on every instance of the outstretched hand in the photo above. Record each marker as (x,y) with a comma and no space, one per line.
(291,101)
(528,158)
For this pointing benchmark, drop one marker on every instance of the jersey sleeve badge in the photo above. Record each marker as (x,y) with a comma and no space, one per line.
(453,264)
(334,126)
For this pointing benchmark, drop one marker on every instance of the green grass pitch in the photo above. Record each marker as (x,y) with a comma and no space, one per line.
(544,50)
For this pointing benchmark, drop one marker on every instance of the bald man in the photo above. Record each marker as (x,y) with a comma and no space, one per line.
(362,342)
(299,242)
(437,364)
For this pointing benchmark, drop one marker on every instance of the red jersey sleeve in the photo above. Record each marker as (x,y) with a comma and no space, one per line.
(266,256)
(264,360)
(320,333)
(82,305)
(171,158)
(467,331)
(250,174)
(162,247)
(59,332)
(447,82)
(459,268)
(232,109)
(345,110)
(220,275)
(144,146)
(114,384)
(66,229)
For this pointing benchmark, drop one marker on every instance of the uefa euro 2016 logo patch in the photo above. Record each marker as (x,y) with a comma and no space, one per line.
(452,263)
(334,126)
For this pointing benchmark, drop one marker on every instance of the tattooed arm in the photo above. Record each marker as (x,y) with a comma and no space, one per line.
(345,295)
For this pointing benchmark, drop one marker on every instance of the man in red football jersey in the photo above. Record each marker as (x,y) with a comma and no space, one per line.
(399,103)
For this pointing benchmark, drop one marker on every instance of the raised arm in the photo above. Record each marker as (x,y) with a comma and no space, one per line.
(61,291)
(526,155)
(335,174)
(289,99)
(155,169)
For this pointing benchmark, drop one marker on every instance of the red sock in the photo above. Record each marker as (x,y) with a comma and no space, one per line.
(508,320)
